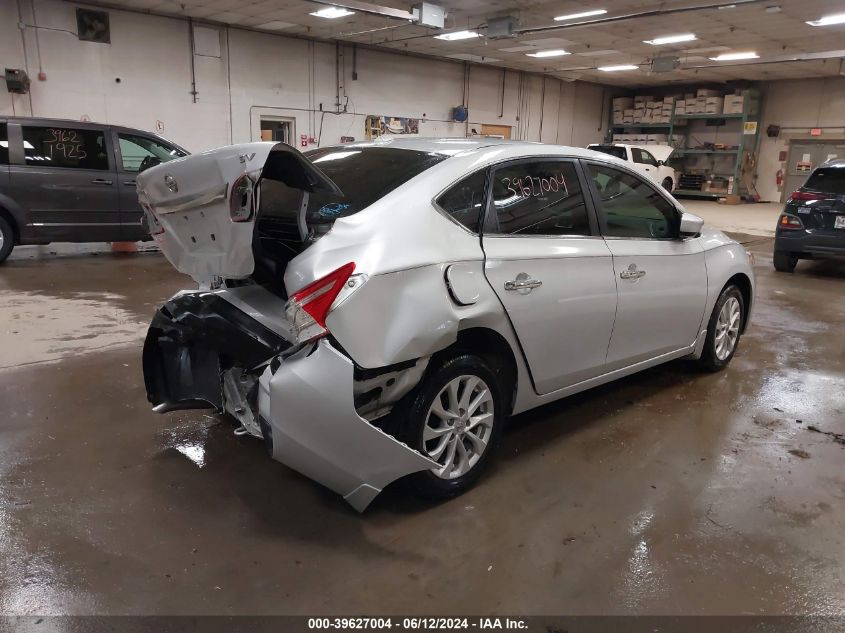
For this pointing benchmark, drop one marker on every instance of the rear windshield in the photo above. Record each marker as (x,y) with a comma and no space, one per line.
(827,180)
(364,174)
(613,150)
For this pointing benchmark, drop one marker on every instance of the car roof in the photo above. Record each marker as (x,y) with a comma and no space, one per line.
(835,162)
(85,125)
(454,146)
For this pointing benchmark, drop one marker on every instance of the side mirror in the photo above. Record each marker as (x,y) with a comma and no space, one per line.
(691,225)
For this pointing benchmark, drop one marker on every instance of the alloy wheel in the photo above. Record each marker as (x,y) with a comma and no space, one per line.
(459,426)
(727,328)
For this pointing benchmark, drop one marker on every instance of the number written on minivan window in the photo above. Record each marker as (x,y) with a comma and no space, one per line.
(66,143)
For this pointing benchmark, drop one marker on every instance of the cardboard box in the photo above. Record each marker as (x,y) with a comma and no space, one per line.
(623,103)
(734,104)
(708,92)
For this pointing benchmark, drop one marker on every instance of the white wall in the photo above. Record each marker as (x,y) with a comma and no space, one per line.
(797,106)
(265,74)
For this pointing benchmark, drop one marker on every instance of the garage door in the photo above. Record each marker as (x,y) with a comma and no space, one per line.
(805,156)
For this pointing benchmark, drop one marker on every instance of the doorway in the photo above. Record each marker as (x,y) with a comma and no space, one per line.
(804,157)
(277,129)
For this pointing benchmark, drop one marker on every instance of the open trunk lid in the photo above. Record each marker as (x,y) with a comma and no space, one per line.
(201,209)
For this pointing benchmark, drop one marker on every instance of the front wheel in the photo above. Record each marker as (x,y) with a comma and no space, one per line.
(724,329)
(785,261)
(455,419)
(7,239)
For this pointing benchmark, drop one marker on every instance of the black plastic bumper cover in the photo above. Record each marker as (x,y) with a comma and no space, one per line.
(192,338)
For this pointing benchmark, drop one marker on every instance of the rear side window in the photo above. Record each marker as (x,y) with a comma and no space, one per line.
(612,150)
(65,147)
(464,201)
(541,197)
(4,145)
(827,180)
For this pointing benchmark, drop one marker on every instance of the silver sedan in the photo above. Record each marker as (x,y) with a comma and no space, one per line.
(377,310)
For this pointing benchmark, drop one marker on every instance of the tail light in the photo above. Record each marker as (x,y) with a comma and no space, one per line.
(790,222)
(308,308)
(241,203)
(806,195)
(150,222)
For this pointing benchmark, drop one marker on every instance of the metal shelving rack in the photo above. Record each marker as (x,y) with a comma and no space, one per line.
(678,124)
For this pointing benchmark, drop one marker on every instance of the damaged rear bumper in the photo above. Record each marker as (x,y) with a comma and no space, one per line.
(305,398)
(307,405)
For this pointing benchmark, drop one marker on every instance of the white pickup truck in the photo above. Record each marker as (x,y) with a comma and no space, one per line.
(649,160)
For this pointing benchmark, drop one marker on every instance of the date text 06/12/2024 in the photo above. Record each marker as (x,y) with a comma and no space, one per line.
(416,623)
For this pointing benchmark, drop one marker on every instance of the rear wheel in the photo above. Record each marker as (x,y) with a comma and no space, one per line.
(667,184)
(7,239)
(455,419)
(724,329)
(785,261)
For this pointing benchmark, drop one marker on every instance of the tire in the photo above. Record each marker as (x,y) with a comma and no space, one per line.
(435,436)
(667,184)
(7,239)
(715,356)
(785,261)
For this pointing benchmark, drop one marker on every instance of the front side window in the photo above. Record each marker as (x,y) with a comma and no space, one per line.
(142,152)
(464,201)
(65,147)
(643,157)
(540,197)
(630,207)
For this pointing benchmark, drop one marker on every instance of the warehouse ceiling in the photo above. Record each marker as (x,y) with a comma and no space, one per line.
(777,32)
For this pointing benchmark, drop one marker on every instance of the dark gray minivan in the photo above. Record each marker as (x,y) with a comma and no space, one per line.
(72,181)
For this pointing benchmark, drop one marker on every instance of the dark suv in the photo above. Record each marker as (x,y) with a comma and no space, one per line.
(813,222)
(69,181)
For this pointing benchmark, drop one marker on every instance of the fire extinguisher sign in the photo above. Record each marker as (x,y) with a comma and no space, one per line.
(303,140)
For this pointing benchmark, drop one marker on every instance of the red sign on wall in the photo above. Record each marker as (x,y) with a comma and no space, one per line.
(303,140)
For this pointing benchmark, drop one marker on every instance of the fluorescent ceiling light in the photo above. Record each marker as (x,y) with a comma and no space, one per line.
(585,14)
(554,53)
(332,12)
(613,69)
(671,39)
(729,57)
(838,18)
(457,35)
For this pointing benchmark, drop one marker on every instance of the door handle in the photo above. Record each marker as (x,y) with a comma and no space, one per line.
(523,283)
(632,273)
(101,181)
(129,183)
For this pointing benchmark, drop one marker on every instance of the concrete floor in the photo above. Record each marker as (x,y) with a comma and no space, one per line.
(670,492)
(751,219)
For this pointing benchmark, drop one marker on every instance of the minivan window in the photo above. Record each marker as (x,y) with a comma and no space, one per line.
(463,201)
(612,150)
(538,197)
(134,150)
(363,174)
(52,146)
(4,145)
(827,180)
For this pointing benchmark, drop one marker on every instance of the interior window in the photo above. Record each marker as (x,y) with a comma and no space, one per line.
(630,207)
(464,200)
(141,152)
(541,197)
(4,145)
(65,147)
(642,156)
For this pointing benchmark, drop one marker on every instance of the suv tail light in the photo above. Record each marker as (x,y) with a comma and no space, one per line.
(308,308)
(806,195)
(790,222)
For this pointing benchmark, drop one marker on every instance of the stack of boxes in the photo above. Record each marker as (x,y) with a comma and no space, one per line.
(623,111)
